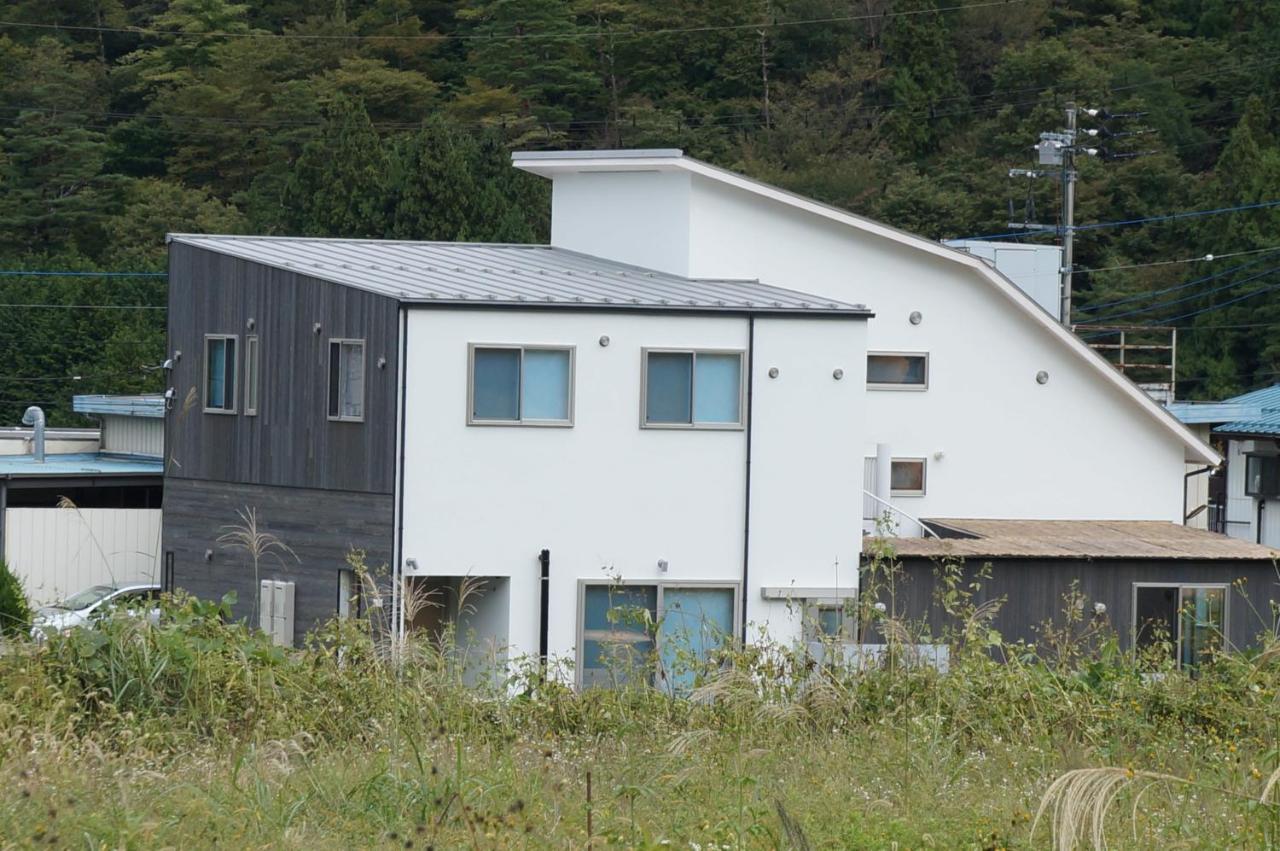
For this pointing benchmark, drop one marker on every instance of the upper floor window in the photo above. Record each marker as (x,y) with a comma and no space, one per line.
(520,385)
(220,374)
(898,370)
(346,380)
(692,389)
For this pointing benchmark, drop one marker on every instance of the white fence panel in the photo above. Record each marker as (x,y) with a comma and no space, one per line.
(59,551)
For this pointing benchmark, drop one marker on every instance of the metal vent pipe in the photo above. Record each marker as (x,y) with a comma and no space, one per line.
(34,417)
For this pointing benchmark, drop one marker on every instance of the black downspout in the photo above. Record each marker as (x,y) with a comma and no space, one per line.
(398,544)
(544,606)
(746,507)
(1186,487)
(4,510)
(1262,503)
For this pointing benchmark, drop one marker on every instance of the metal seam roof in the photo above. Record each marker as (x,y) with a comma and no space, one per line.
(520,275)
(74,464)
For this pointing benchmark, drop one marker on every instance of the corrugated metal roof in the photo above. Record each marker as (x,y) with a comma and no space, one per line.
(77,464)
(1255,412)
(478,274)
(1079,539)
(1267,425)
(124,406)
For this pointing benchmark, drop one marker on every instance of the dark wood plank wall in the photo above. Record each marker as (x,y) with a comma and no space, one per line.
(1034,591)
(290,442)
(320,526)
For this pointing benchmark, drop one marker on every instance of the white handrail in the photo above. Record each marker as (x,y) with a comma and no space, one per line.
(894,508)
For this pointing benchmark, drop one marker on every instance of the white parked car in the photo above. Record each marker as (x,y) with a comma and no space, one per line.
(139,599)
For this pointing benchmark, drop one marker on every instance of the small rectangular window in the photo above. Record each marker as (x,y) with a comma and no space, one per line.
(830,620)
(220,374)
(897,370)
(1261,475)
(692,389)
(251,375)
(906,477)
(521,385)
(346,380)
(1190,621)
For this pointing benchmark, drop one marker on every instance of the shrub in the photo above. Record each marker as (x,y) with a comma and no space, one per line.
(15,615)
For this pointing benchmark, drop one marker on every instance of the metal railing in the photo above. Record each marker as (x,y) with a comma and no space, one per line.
(924,527)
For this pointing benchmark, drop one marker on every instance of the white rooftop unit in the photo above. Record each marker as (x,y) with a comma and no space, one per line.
(1034,268)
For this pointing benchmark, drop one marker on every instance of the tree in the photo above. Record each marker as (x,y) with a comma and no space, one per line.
(15,614)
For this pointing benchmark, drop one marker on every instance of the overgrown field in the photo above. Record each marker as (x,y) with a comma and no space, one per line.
(199,734)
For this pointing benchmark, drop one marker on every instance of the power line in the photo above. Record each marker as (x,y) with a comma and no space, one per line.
(1207,258)
(85,306)
(1108,319)
(1191,214)
(1227,303)
(1175,288)
(591,34)
(49,273)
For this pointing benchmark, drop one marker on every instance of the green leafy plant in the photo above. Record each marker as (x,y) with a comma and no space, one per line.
(15,613)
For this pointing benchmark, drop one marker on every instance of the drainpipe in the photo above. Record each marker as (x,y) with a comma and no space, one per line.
(4,510)
(1186,486)
(544,608)
(1262,503)
(34,417)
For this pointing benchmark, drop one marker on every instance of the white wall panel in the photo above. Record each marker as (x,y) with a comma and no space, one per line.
(59,551)
(133,435)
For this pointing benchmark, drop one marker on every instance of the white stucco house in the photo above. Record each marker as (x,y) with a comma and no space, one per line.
(986,404)
(680,408)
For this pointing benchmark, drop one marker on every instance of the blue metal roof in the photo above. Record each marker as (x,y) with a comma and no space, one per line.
(1256,412)
(124,406)
(72,464)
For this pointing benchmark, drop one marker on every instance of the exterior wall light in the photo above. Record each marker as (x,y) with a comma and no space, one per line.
(208,555)
(1099,609)
(604,340)
(837,374)
(1042,377)
(915,318)
(316,328)
(662,565)
(250,323)
(773,372)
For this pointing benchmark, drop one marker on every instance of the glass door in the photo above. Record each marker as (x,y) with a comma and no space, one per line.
(1203,623)
(695,622)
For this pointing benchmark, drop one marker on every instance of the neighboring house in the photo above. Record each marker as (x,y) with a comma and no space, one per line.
(82,507)
(1146,580)
(984,403)
(567,432)
(1243,498)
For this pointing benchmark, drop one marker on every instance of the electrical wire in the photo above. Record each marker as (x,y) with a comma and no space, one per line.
(1160,305)
(1207,258)
(1190,214)
(516,37)
(1175,288)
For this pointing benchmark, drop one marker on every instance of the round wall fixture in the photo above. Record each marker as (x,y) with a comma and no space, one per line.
(382,363)
(773,372)
(250,323)
(915,318)
(316,328)
(604,340)
(837,374)
(1042,377)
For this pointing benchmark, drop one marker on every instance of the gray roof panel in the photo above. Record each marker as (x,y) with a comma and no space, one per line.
(459,273)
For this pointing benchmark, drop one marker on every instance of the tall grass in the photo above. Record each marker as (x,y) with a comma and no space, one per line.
(198,731)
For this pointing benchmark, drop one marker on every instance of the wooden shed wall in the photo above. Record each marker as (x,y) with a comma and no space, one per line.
(1034,590)
(290,442)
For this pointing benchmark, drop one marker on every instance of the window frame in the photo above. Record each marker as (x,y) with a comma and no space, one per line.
(741,354)
(1224,587)
(811,607)
(1261,459)
(924,476)
(364,365)
(911,388)
(659,611)
(252,381)
(234,374)
(521,420)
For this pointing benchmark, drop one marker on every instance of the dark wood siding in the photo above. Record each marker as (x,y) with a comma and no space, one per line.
(1035,588)
(291,441)
(320,526)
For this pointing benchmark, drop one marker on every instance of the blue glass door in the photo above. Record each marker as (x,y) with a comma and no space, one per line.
(695,622)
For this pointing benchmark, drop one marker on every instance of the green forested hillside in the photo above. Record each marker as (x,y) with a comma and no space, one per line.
(123,119)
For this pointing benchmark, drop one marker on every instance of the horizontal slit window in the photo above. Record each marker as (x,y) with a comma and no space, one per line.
(898,370)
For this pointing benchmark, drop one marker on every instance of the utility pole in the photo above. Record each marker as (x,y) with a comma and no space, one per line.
(1068,212)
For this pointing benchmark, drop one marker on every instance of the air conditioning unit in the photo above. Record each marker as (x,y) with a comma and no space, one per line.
(1262,475)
